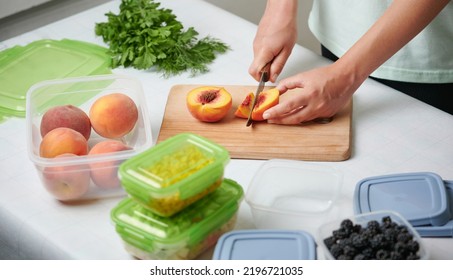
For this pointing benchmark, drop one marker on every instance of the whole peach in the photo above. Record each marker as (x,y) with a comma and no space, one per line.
(67,181)
(105,174)
(113,115)
(63,140)
(66,116)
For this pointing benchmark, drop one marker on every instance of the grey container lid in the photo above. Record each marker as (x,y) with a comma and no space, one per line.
(265,245)
(420,197)
(443,230)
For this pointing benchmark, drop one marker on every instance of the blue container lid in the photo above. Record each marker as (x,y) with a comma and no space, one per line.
(420,197)
(265,245)
(444,230)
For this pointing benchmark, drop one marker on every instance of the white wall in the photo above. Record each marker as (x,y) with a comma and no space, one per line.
(252,10)
(9,7)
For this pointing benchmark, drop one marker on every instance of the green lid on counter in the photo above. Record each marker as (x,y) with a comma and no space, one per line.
(23,66)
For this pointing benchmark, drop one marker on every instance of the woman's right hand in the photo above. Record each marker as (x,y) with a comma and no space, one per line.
(275,37)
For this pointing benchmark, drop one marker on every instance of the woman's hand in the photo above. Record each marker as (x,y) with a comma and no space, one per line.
(275,38)
(318,93)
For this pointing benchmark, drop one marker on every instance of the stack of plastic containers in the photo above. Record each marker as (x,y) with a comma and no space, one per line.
(423,198)
(179,203)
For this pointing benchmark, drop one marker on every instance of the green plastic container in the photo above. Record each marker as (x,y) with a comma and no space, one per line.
(23,66)
(175,173)
(183,236)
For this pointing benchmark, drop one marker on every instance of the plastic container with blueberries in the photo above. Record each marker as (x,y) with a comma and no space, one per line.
(327,230)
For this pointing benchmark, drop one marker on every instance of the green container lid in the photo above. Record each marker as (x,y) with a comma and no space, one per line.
(174,173)
(23,66)
(184,235)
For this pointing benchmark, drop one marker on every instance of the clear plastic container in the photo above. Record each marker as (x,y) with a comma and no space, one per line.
(290,194)
(183,236)
(72,178)
(326,231)
(175,173)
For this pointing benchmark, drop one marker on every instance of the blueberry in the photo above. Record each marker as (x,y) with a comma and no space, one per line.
(329,241)
(373,225)
(378,241)
(349,251)
(347,224)
(404,237)
(359,241)
(382,254)
(360,257)
(336,250)
(340,233)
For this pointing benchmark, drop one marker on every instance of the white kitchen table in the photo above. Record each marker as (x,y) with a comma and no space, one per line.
(392,133)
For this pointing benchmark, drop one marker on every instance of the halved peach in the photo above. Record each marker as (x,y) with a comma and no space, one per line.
(266,100)
(209,104)
(243,110)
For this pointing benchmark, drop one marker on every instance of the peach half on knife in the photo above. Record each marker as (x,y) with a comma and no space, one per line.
(266,100)
(209,104)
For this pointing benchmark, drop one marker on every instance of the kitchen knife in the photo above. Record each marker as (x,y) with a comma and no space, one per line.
(264,78)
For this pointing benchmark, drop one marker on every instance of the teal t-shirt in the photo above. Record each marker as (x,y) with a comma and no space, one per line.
(428,58)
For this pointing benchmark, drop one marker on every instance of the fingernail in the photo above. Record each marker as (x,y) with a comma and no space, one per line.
(266,116)
(270,121)
(275,76)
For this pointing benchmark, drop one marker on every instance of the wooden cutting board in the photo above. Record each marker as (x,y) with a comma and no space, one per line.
(310,141)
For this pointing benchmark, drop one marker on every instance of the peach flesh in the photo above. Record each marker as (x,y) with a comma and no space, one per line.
(209,104)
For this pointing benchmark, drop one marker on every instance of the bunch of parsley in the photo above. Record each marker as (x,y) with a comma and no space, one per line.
(143,35)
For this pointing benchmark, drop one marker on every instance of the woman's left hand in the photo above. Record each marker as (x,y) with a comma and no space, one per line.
(318,93)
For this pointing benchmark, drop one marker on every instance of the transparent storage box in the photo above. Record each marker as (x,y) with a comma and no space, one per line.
(175,173)
(184,235)
(291,194)
(91,176)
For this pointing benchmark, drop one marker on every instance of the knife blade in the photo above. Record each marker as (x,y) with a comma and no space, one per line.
(264,78)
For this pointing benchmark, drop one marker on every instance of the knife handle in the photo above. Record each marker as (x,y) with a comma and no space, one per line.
(265,71)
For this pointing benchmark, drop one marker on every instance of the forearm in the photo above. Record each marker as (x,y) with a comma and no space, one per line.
(286,8)
(400,23)
(279,15)
(275,37)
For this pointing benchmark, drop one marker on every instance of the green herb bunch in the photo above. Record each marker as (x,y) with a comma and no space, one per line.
(143,35)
